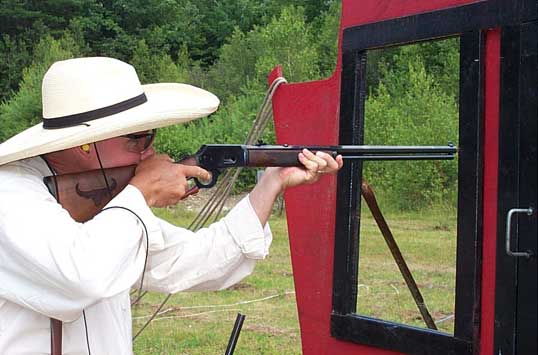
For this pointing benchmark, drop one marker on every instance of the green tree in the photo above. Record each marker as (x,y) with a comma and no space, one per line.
(15,54)
(18,16)
(153,68)
(247,58)
(440,58)
(287,41)
(24,108)
(411,108)
(325,29)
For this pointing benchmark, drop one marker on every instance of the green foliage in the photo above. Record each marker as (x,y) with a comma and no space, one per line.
(24,108)
(325,29)
(287,41)
(440,58)
(218,20)
(153,68)
(19,15)
(312,8)
(101,34)
(14,55)
(410,107)
(236,65)
(246,59)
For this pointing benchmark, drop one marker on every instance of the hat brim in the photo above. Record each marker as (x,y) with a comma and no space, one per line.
(168,104)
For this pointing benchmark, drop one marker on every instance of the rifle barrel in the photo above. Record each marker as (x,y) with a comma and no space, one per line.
(366,152)
(394,149)
(401,157)
(351,148)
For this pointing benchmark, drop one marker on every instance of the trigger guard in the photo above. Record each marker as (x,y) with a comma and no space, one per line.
(214,176)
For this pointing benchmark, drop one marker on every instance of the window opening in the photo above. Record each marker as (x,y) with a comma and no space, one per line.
(407,247)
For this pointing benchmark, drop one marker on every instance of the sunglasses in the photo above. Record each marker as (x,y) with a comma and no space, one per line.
(140,142)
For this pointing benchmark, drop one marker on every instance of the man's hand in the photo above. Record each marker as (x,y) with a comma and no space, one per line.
(276,180)
(162,182)
(314,166)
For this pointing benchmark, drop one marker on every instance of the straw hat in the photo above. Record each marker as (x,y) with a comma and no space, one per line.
(91,99)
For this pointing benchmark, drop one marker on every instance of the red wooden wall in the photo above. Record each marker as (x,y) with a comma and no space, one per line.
(308,113)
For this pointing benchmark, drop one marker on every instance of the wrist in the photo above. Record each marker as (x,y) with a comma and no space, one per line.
(265,193)
(271,181)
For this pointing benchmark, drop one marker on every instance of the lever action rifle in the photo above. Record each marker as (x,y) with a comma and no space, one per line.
(84,194)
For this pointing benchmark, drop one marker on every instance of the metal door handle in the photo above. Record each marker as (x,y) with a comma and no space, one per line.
(529,211)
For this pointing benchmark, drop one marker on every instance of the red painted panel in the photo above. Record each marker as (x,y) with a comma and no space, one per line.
(308,113)
(362,12)
(491,169)
(367,11)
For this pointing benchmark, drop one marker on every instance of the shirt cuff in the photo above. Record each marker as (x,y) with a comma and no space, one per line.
(246,230)
(132,199)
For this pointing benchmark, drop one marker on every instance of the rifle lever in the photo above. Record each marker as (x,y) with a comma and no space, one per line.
(193,160)
(208,184)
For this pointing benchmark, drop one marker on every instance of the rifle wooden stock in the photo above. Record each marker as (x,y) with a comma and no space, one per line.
(84,194)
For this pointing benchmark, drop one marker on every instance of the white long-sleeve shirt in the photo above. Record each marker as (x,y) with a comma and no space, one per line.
(53,266)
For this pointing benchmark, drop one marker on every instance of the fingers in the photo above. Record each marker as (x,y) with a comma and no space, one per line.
(331,163)
(340,161)
(324,162)
(306,158)
(312,166)
(321,163)
(195,172)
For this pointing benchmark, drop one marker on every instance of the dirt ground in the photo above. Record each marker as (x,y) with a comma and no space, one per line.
(196,202)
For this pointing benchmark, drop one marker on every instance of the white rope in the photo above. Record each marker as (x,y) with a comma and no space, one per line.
(449,317)
(197,314)
(240,303)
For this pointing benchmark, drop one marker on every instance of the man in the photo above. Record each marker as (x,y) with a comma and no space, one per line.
(96,115)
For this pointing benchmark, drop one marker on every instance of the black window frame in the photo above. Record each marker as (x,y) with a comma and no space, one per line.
(469,23)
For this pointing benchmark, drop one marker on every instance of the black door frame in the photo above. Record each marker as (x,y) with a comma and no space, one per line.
(516,277)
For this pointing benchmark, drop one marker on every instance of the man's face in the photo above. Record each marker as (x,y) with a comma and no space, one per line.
(114,152)
(125,150)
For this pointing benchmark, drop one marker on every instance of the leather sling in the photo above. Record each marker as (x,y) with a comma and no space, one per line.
(55,337)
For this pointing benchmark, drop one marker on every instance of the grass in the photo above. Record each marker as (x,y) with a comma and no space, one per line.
(200,323)
(427,241)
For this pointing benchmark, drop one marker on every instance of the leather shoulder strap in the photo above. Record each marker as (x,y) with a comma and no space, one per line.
(55,337)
